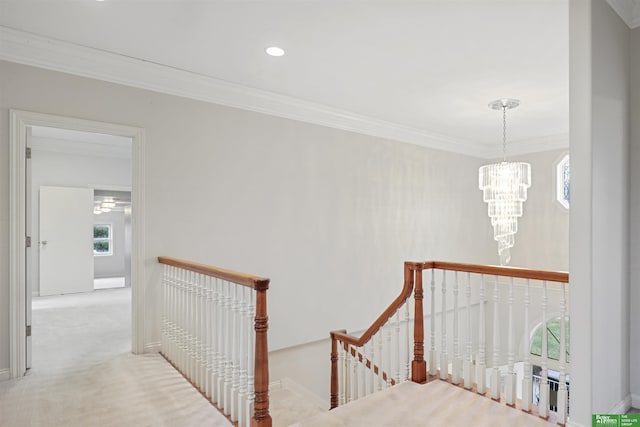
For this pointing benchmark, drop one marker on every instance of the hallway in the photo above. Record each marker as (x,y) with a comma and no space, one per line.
(84,374)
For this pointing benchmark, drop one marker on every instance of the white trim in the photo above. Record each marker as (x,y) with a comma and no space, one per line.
(30,49)
(635,401)
(80,148)
(4,374)
(153,347)
(19,122)
(621,407)
(628,10)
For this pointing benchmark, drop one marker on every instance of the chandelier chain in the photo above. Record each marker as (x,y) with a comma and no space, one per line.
(504,133)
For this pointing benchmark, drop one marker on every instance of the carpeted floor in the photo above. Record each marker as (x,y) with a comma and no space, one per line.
(84,374)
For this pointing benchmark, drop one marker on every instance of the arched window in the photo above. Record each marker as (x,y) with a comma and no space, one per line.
(563,178)
(553,339)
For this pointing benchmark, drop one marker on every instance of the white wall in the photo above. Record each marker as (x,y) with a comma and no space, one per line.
(542,241)
(112,265)
(599,256)
(328,215)
(71,170)
(634,114)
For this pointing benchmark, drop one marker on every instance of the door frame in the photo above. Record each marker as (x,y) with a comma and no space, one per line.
(19,122)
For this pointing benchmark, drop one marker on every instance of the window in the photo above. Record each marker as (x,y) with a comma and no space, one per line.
(562,181)
(102,240)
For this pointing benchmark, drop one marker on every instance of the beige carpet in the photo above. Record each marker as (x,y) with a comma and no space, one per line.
(434,404)
(84,375)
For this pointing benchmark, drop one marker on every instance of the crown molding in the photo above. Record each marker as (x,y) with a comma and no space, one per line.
(530,146)
(30,49)
(628,10)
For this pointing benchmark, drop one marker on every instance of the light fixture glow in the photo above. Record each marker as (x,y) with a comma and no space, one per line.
(275,51)
(105,210)
(108,205)
(504,188)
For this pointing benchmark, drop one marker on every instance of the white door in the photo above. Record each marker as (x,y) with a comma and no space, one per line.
(66,240)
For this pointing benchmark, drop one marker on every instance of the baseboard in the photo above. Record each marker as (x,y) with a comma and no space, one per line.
(4,374)
(572,424)
(635,401)
(622,407)
(152,347)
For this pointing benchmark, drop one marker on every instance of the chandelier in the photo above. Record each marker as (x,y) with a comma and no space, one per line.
(504,188)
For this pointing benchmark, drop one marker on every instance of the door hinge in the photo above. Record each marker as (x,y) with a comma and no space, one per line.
(28,241)
(28,152)
(28,330)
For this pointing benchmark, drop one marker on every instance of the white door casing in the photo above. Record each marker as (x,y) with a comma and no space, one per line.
(65,240)
(20,122)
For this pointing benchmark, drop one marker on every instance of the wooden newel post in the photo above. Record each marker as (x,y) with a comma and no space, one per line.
(418,365)
(261,417)
(334,370)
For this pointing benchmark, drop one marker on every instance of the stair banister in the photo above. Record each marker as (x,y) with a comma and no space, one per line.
(198,295)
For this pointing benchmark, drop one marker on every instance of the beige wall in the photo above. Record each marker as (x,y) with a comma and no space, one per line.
(328,215)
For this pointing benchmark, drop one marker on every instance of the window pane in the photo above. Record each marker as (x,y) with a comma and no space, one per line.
(101,231)
(101,247)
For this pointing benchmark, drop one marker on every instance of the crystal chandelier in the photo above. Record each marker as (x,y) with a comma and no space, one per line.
(504,188)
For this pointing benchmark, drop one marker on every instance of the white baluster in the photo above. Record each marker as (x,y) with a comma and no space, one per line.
(444,355)
(543,406)
(363,371)
(347,374)
(433,355)
(526,381)
(389,364)
(372,359)
(215,341)
(355,395)
(197,321)
(398,346)
(481,374)
(510,380)
(189,323)
(228,354)
(209,337)
(163,336)
(456,369)
(251,314)
(380,355)
(222,341)
(468,362)
(235,352)
(563,397)
(495,373)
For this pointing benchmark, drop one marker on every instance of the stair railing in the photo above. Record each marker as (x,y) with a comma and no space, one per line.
(214,331)
(379,358)
(485,316)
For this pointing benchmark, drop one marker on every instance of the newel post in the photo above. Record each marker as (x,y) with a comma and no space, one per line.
(334,370)
(418,365)
(261,417)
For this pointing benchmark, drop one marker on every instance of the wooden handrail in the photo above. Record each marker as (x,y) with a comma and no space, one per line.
(251,281)
(413,277)
(382,319)
(261,417)
(494,270)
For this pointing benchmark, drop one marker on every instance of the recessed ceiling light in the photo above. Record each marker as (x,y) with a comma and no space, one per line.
(275,51)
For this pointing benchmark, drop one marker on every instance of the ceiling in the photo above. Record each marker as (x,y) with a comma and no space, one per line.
(429,67)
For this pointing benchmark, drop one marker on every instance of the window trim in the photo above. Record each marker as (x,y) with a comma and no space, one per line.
(559,190)
(104,239)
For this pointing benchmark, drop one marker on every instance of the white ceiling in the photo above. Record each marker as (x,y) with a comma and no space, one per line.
(430,66)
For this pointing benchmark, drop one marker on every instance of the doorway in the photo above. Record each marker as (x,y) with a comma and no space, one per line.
(22,124)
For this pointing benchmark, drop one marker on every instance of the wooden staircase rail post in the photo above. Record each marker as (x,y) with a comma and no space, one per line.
(418,365)
(261,417)
(334,369)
